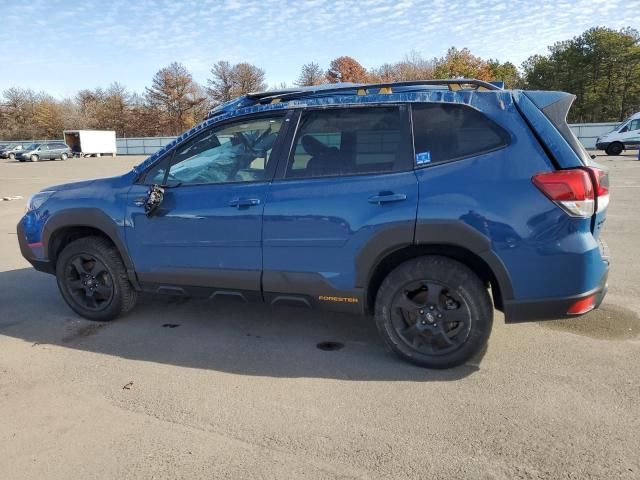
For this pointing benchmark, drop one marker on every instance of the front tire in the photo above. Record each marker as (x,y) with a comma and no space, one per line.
(93,280)
(63,157)
(34,158)
(434,312)
(615,148)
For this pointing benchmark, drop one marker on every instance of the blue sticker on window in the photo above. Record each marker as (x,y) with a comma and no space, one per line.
(423,157)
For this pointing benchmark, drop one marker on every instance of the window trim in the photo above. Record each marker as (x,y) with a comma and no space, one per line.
(405,164)
(507,137)
(285,115)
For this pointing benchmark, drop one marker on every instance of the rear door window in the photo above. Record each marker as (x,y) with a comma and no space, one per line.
(444,132)
(347,141)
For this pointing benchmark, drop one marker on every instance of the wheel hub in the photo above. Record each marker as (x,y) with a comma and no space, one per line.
(430,318)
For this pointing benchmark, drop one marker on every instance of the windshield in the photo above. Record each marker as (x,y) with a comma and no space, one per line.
(33,146)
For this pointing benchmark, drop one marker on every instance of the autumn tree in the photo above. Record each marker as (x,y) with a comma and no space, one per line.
(346,69)
(229,81)
(310,74)
(461,64)
(176,95)
(47,119)
(505,72)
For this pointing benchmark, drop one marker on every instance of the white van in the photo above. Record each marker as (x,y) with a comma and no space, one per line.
(624,136)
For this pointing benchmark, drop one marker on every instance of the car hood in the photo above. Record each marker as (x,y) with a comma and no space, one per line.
(70,186)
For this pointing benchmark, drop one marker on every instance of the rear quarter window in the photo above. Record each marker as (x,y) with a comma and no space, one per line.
(444,132)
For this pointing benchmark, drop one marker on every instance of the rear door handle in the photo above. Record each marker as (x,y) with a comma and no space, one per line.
(387,198)
(244,202)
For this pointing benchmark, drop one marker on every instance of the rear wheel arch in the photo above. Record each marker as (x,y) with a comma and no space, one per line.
(499,282)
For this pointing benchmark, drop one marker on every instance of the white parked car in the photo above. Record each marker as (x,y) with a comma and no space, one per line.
(623,137)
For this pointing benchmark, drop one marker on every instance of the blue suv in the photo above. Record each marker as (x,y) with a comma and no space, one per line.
(426,204)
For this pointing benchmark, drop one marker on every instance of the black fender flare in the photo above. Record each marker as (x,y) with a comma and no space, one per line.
(91,218)
(453,233)
(460,234)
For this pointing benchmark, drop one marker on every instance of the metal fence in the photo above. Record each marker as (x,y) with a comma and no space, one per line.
(141,145)
(586,133)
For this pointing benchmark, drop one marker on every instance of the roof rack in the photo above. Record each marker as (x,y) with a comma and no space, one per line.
(453,84)
(359,88)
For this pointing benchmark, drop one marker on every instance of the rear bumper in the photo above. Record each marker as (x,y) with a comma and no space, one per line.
(552,308)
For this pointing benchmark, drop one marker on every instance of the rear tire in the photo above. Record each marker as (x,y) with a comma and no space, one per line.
(615,148)
(12,156)
(434,312)
(63,157)
(93,280)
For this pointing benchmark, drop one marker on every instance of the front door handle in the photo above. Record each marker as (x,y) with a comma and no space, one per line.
(244,202)
(387,197)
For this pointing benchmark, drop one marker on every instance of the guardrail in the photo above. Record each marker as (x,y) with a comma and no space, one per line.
(587,133)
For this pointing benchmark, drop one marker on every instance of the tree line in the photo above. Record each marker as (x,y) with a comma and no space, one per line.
(601,67)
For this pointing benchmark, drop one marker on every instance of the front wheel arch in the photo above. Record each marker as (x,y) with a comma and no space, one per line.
(77,223)
(615,148)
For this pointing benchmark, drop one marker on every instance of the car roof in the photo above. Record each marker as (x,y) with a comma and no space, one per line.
(344,90)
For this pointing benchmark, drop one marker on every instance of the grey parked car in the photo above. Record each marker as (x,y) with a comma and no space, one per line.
(11,151)
(45,151)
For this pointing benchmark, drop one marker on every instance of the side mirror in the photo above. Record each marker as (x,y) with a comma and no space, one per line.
(155,196)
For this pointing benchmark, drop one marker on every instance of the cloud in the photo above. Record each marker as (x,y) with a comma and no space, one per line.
(280,35)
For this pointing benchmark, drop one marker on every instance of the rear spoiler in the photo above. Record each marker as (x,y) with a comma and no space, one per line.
(546,113)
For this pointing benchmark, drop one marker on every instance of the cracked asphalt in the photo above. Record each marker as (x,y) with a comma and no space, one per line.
(201,390)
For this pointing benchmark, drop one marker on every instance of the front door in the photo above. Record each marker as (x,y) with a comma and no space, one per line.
(205,237)
(346,195)
(631,135)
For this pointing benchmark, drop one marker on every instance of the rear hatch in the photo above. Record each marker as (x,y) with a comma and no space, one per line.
(546,113)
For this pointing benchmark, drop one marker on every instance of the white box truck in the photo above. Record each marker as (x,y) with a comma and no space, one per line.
(91,142)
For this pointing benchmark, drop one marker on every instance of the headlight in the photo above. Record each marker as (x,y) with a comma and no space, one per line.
(37,199)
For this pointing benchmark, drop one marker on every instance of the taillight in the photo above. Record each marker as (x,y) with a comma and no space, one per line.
(572,190)
(601,186)
(582,306)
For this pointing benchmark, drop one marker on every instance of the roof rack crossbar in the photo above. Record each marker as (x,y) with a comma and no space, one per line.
(291,93)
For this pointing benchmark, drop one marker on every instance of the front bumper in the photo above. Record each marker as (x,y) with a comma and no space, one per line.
(552,308)
(30,252)
(602,145)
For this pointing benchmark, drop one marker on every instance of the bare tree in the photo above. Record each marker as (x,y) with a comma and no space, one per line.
(176,95)
(230,81)
(310,74)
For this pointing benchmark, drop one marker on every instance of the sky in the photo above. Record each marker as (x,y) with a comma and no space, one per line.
(63,46)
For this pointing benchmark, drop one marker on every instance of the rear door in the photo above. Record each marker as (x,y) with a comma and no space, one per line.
(346,193)
(44,152)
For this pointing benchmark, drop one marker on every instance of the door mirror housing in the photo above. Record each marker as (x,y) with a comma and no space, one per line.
(155,196)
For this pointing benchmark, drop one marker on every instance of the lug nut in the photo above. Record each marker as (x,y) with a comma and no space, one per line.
(431,307)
